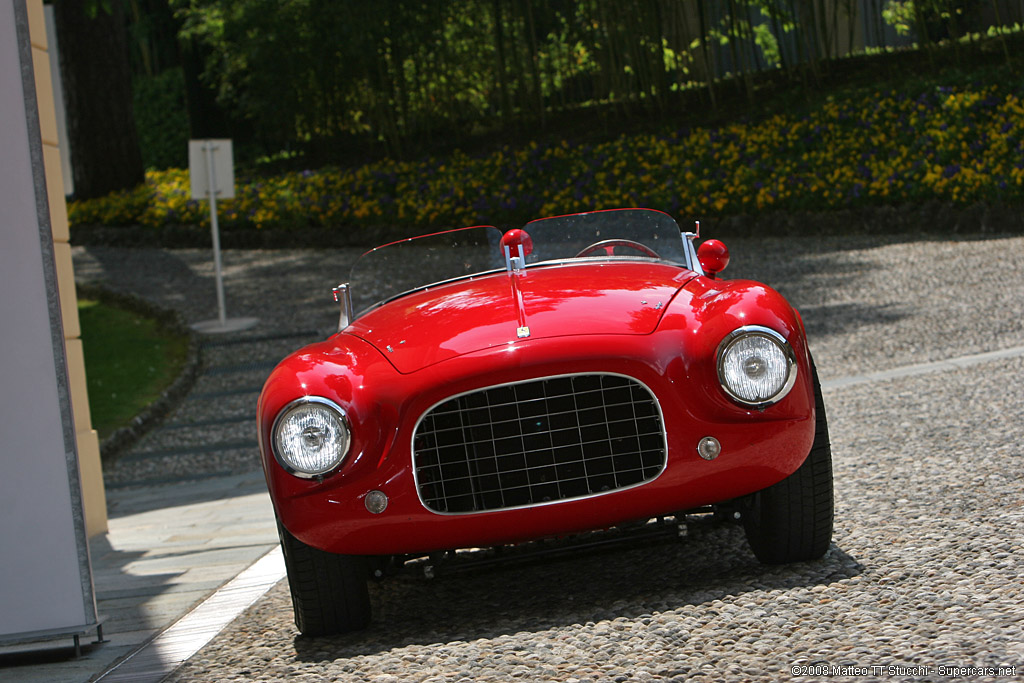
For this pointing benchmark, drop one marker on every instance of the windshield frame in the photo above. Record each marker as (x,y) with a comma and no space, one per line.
(499,257)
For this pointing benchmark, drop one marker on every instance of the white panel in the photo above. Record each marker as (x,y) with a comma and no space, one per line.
(41,562)
(202,154)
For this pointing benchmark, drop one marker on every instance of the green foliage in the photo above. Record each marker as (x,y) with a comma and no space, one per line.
(94,7)
(398,77)
(957,139)
(396,71)
(768,43)
(161,119)
(900,15)
(928,20)
(131,360)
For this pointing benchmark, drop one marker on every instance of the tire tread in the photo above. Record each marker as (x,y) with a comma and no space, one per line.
(329,592)
(791,521)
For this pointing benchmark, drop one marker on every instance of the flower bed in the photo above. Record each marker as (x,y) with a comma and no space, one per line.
(958,145)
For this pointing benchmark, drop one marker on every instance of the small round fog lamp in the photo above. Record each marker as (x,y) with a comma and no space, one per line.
(709,448)
(376,502)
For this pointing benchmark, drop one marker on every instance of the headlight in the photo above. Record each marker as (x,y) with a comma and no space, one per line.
(311,436)
(756,366)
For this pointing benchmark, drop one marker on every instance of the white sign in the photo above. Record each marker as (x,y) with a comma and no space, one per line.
(211,169)
(211,158)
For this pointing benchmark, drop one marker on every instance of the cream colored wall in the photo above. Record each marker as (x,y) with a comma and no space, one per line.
(93,494)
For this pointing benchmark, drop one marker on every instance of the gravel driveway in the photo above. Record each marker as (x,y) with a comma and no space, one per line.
(924,578)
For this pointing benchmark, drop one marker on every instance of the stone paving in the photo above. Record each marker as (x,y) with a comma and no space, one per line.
(168,547)
(188,507)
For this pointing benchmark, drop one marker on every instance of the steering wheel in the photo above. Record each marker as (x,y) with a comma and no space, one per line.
(609,248)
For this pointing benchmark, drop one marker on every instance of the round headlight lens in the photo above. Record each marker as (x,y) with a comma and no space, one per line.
(756,366)
(311,436)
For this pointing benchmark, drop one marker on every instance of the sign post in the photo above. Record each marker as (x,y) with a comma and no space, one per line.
(212,174)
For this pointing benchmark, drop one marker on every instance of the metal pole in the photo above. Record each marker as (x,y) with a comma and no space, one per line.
(215,230)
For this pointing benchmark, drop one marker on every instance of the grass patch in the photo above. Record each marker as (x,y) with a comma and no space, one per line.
(130,360)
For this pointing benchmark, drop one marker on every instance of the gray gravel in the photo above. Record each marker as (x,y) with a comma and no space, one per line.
(925,569)
(869,303)
(288,290)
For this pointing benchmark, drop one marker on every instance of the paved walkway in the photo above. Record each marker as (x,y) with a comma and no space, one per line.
(188,506)
(169,547)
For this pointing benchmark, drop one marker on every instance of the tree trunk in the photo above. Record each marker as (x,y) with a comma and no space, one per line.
(657,30)
(500,73)
(98,92)
(205,117)
(538,91)
(851,22)
(807,54)
(739,55)
(708,66)
(1002,37)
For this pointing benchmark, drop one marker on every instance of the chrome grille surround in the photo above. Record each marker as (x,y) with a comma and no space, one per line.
(538,442)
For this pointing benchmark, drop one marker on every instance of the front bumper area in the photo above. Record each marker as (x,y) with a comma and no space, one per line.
(759,448)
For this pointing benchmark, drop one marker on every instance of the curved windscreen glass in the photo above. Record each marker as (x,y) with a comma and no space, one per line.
(562,237)
(387,271)
(419,262)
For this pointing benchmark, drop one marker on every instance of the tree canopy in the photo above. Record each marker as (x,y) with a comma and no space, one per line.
(316,73)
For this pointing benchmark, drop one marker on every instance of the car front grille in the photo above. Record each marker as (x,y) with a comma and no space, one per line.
(539,441)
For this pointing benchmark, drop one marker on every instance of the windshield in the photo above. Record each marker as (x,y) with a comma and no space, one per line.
(617,232)
(419,262)
(387,271)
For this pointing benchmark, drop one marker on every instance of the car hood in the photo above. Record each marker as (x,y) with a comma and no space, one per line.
(448,320)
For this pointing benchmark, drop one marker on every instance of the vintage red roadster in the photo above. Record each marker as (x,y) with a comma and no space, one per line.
(581,373)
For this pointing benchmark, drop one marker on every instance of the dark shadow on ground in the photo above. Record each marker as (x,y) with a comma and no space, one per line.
(47,652)
(130,500)
(285,289)
(712,562)
(118,600)
(823,320)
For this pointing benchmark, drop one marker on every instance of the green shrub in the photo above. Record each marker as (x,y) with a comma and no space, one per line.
(955,142)
(161,119)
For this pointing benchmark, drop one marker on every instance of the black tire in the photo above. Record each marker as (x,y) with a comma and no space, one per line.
(791,521)
(329,592)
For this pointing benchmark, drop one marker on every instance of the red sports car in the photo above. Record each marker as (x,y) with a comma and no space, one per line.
(580,373)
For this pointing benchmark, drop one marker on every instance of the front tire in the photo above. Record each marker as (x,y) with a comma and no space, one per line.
(791,521)
(329,592)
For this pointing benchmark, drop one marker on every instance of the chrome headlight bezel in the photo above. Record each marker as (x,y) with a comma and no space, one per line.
(340,421)
(728,344)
